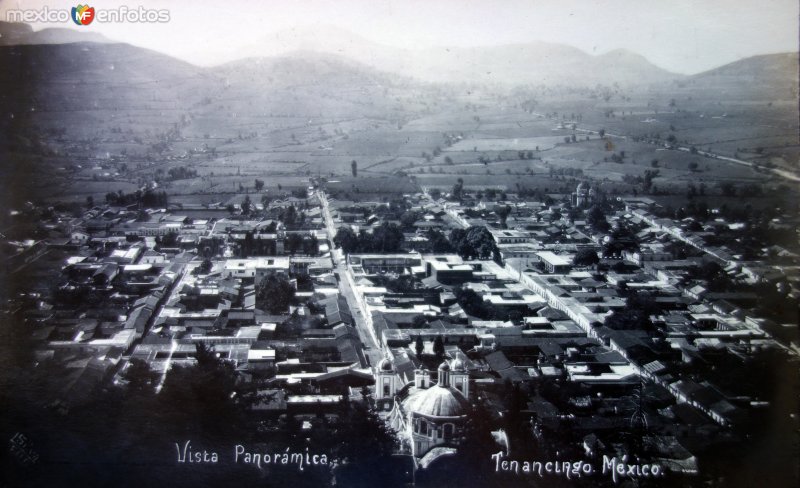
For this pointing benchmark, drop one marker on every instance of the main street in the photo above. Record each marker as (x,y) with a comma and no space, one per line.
(362,319)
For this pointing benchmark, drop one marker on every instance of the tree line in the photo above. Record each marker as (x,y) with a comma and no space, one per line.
(148,198)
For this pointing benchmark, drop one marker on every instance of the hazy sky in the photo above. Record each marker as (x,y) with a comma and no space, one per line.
(685,36)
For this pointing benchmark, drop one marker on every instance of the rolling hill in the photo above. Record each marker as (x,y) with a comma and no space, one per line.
(765,77)
(14,34)
(68,109)
(529,63)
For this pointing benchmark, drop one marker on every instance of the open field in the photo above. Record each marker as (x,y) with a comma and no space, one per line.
(500,144)
(286,120)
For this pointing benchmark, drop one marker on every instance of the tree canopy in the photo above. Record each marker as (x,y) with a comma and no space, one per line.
(438,346)
(586,257)
(473,243)
(386,238)
(275,293)
(636,314)
(364,456)
(596,218)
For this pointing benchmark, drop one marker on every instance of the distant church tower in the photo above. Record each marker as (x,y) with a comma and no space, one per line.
(385,384)
(583,196)
(459,378)
(280,237)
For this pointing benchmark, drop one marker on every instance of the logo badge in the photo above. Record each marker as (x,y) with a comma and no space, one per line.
(83,14)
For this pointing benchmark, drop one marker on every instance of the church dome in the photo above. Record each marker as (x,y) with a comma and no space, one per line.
(458,365)
(385,365)
(444,366)
(437,401)
(582,186)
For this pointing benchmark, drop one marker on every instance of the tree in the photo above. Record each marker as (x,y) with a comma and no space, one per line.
(140,378)
(478,445)
(275,293)
(142,216)
(636,314)
(474,242)
(458,188)
(246,205)
(230,208)
(471,302)
(649,176)
(408,218)
(419,346)
(205,266)
(205,392)
(438,347)
(438,242)
(346,239)
(503,212)
(572,214)
(586,257)
(691,190)
(170,239)
(596,218)
(259,184)
(294,242)
(311,245)
(514,401)
(386,238)
(89,201)
(728,189)
(364,457)
(354,168)
(289,216)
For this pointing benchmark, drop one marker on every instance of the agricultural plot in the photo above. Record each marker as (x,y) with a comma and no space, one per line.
(489,168)
(90,187)
(506,144)
(274,121)
(371,187)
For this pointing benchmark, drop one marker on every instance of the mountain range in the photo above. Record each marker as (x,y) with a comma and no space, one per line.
(514,64)
(13,34)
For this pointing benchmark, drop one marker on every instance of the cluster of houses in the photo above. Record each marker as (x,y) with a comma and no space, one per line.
(449,328)
(122,287)
(557,330)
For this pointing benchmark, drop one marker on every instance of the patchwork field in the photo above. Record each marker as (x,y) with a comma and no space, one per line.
(286,120)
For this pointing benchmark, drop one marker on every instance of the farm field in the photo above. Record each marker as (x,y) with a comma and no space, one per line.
(286,120)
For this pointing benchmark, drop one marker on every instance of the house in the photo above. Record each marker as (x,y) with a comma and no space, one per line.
(555,263)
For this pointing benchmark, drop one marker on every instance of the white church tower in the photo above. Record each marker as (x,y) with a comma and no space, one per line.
(459,378)
(385,384)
